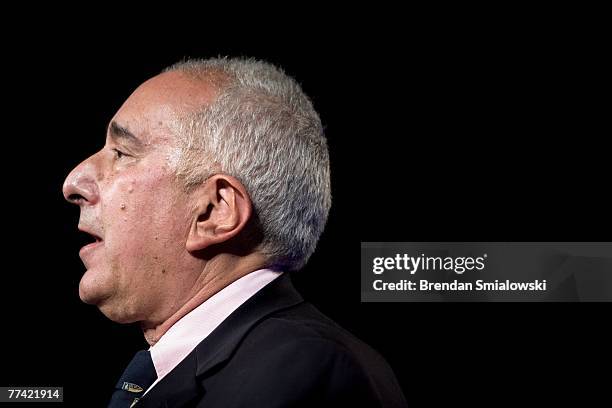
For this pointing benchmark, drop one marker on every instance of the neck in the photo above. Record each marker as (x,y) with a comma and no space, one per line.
(215,275)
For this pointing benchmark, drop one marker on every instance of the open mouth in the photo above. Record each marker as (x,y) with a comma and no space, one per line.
(89,240)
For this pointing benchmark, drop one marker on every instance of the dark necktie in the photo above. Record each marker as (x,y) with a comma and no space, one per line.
(137,377)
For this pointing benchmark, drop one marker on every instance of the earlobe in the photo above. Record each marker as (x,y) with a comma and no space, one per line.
(223,208)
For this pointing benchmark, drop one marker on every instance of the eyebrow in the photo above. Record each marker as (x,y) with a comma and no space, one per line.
(118,132)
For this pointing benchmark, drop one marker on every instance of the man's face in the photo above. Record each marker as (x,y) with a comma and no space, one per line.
(131,202)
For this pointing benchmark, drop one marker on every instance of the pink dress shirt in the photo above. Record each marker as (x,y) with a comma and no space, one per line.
(195,326)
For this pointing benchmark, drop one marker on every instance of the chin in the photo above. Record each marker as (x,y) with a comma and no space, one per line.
(99,290)
(91,290)
(116,314)
(109,307)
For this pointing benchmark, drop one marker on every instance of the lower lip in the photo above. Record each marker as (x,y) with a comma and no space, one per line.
(89,248)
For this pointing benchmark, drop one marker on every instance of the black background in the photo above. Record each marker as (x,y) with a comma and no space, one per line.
(437,132)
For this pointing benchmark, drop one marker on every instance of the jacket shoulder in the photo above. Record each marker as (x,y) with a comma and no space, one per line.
(300,357)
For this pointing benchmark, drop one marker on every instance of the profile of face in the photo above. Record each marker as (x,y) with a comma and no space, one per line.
(138,214)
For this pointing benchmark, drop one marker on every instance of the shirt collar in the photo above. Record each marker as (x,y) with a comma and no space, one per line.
(191,329)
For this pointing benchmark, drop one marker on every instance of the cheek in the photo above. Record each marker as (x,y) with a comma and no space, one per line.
(142,220)
(133,200)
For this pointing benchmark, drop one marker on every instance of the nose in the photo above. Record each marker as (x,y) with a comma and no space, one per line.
(81,187)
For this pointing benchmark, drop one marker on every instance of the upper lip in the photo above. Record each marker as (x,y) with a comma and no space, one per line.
(90,231)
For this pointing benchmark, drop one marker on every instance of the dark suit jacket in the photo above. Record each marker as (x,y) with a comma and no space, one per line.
(276,350)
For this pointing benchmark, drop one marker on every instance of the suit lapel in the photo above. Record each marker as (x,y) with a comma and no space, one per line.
(220,344)
(181,386)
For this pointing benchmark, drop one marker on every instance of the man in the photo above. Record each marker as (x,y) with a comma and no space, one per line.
(212,186)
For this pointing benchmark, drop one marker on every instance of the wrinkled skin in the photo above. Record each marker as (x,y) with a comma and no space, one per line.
(129,197)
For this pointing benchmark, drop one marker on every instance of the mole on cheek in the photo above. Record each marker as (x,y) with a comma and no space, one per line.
(122,206)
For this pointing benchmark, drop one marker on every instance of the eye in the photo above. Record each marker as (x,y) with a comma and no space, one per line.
(119,154)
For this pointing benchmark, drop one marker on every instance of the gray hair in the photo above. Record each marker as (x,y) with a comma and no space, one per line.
(263,130)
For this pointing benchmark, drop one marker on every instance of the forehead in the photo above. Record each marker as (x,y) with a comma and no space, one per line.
(155,104)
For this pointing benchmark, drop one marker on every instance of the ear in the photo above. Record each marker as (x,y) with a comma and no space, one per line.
(223,208)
